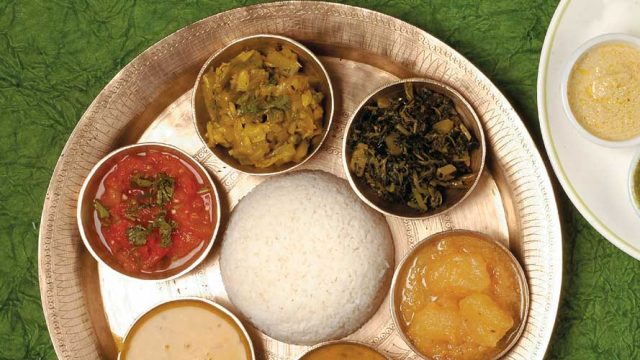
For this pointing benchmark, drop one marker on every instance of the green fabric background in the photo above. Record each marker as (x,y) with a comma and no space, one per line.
(56,56)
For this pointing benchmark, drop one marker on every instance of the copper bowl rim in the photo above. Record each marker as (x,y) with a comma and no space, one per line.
(456,96)
(524,296)
(129,148)
(205,301)
(328,118)
(334,342)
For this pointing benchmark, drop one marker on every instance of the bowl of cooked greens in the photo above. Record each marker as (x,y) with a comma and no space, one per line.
(263,104)
(414,148)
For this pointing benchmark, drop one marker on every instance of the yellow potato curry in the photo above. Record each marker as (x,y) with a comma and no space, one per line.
(264,108)
(460,298)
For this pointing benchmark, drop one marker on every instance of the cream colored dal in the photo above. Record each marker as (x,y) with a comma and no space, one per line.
(186,330)
(604,91)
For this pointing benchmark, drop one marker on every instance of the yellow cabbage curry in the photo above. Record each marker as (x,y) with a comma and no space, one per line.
(343,351)
(264,108)
(459,298)
(186,329)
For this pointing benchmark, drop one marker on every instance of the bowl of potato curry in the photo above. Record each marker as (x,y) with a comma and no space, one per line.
(460,294)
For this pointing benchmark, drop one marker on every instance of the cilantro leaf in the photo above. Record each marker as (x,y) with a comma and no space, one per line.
(140,180)
(252,105)
(132,212)
(137,235)
(165,228)
(164,186)
(161,185)
(103,212)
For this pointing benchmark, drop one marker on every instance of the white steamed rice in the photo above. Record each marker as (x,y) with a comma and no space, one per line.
(304,260)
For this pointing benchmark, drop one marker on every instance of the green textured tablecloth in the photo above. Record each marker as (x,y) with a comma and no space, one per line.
(56,56)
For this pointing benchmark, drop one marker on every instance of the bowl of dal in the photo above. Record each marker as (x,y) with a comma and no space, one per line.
(263,104)
(459,294)
(600,90)
(342,350)
(187,328)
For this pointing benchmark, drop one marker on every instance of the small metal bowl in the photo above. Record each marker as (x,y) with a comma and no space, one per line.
(451,197)
(208,302)
(86,220)
(337,342)
(396,292)
(261,42)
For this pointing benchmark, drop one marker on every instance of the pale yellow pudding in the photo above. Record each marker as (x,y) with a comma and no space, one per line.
(603,91)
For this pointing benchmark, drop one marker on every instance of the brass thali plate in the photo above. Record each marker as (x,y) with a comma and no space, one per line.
(89,308)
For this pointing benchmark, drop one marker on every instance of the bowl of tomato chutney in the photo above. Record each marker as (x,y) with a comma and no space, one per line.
(149,211)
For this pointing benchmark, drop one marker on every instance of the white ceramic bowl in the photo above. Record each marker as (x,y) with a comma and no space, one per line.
(635,162)
(581,50)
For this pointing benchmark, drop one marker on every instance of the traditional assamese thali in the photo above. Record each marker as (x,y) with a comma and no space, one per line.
(90,307)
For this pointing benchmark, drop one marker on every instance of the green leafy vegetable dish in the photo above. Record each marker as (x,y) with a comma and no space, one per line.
(412,149)
(264,108)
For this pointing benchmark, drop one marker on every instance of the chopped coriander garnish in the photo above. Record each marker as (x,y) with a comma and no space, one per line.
(164,228)
(165,233)
(132,211)
(103,212)
(161,189)
(140,180)
(137,235)
(163,185)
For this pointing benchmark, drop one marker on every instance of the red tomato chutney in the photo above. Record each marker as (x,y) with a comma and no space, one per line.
(154,212)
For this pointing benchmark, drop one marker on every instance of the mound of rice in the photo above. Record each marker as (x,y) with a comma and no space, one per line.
(304,260)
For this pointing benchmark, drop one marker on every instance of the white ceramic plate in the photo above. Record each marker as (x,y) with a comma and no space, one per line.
(594,177)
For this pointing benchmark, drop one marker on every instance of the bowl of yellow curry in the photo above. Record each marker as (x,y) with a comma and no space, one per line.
(263,104)
(342,350)
(460,294)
